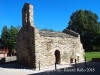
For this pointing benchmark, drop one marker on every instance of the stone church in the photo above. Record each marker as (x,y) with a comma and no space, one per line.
(46,47)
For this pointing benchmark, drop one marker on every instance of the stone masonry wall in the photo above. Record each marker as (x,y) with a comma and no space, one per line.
(34,46)
(46,47)
(26,47)
(25,39)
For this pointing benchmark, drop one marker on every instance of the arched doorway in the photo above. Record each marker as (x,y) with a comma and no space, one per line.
(57,56)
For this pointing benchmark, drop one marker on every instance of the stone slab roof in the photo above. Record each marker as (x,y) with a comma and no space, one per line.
(55,34)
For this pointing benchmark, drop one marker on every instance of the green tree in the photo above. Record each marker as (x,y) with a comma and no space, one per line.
(50,30)
(8,37)
(45,29)
(5,36)
(12,37)
(86,24)
(97,40)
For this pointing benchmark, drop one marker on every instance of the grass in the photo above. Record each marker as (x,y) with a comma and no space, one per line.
(90,55)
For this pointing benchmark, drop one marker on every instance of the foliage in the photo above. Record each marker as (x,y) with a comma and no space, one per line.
(5,36)
(12,37)
(51,30)
(8,36)
(86,24)
(97,41)
(45,29)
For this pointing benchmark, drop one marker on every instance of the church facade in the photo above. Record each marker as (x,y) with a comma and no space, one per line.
(34,46)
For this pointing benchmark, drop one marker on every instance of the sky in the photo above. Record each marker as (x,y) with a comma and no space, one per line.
(50,14)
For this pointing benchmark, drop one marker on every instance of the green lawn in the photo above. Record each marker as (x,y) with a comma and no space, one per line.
(90,55)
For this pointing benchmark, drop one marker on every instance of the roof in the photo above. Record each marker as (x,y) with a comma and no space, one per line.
(55,34)
(3,52)
(70,32)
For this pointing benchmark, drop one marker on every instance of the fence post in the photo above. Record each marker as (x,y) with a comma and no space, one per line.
(75,65)
(85,62)
(55,66)
(39,65)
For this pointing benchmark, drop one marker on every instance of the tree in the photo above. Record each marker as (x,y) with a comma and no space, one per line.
(86,24)
(8,37)
(50,30)
(5,36)
(45,29)
(97,40)
(12,37)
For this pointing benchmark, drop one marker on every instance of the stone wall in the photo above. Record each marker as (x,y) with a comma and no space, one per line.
(27,15)
(7,59)
(26,46)
(34,45)
(46,47)
(26,38)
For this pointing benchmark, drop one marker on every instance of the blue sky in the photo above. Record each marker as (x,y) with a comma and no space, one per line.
(51,14)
